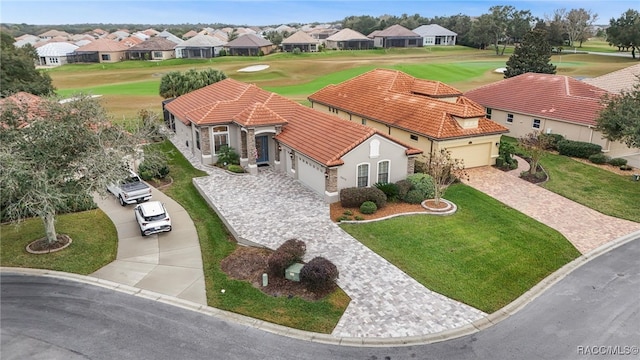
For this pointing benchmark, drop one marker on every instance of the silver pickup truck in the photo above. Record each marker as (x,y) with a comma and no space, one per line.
(131,190)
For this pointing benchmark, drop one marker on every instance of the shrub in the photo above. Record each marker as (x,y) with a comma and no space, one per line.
(389,189)
(296,51)
(290,252)
(618,162)
(578,149)
(319,274)
(343,218)
(354,197)
(505,158)
(155,167)
(424,184)
(414,197)
(227,155)
(347,213)
(403,188)
(552,141)
(599,158)
(222,53)
(626,167)
(359,218)
(235,168)
(368,207)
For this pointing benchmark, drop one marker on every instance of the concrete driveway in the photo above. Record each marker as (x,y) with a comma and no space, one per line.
(166,263)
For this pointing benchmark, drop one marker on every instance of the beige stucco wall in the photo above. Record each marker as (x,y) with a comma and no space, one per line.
(115,56)
(169,54)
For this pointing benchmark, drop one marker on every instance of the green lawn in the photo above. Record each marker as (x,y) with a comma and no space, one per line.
(90,250)
(239,296)
(485,255)
(599,189)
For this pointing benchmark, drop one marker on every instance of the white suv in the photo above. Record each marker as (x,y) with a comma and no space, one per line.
(152,218)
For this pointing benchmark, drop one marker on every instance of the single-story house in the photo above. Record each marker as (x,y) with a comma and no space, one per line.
(156,48)
(249,45)
(319,150)
(347,39)
(300,40)
(617,81)
(101,51)
(427,114)
(553,104)
(55,54)
(199,46)
(395,36)
(435,34)
(47,35)
(169,36)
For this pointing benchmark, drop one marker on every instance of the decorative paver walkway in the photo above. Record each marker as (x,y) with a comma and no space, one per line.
(270,208)
(585,228)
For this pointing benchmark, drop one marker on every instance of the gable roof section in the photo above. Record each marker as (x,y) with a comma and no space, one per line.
(396,30)
(230,101)
(556,97)
(103,45)
(248,41)
(154,44)
(433,30)
(201,40)
(346,35)
(300,37)
(616,81)
(56,49)
(400,100)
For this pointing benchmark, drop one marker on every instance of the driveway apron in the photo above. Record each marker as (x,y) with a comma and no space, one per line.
(269,208)
(585,228)
(167,263)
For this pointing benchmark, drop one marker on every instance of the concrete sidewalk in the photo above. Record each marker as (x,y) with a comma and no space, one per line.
(166,263)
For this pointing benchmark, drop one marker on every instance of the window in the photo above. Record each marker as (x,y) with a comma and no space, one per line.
(488,113)
(333,110)
(106,57)
(157,55)
(509,118)
(220,137)
(536,123)
(53,60)
(383,172)
(414,137)
(363,175)
(198,139)
(364,121)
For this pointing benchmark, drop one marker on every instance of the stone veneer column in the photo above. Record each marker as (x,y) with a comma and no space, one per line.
(243,144)
(411,165)
(251,151)
(205,140)
(331,182)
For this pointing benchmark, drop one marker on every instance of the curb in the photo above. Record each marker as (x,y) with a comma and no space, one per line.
(472,328)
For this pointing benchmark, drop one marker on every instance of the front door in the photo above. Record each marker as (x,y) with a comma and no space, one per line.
(262,147)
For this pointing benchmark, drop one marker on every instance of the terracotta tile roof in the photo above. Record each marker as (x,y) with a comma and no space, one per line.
(300,37)
(396,31)
(189,34)
(28,104)
(131,41)
(154,44)
(556,97)
(402,101)
(346,35)
(104,45)
(248,40)
(616,81)
(305,130)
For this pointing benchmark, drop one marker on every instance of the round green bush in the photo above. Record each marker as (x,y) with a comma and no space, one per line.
(414,197)
(599,158)
(368,207)
(403,188)
(235,168)
(424,184)
(618,162)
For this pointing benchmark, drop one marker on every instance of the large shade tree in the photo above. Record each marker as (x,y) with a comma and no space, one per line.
(18,71)
(624,32)
(176,83)
(66,153)
(504,24)
(619,120)
(532,55)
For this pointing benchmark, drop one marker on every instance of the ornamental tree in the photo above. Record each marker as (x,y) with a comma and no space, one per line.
(532,55)
(444,170)
(619,120)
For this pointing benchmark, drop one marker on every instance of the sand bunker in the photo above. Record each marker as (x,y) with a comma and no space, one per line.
(253,68)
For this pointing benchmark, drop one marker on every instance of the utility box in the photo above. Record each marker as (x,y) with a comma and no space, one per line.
(293,272)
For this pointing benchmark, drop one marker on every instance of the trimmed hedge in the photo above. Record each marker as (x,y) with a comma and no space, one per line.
(354,197)
(319,274)
(599,158)
(414,197)
(290,252)
(368,207)
(424,184)
(618,162)
(578,149)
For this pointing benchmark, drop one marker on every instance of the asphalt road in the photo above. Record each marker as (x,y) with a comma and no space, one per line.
(591,313)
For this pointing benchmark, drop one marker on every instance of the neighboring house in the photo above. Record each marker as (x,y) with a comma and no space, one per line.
(151,32)
(101,51)
(199,47)
(249,45)
(285,29)
(347,39)
(322,151)
(435,34)
(426,114)
(47,35)
(552,104)
(156,48)
(169,36)
(395,36)
(118,35)
(615,82)
(27,104)
(56,53)
(189,34)
(131,41)
(300,40)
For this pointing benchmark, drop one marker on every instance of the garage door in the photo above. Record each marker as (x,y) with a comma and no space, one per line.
(473,155)
(311,174)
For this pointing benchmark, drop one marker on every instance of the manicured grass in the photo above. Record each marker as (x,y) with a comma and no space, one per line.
(599,189)
(92,248)
(239,296)
(485,255)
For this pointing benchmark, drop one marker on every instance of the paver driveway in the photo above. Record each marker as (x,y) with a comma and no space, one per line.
(270,208)
(587,229)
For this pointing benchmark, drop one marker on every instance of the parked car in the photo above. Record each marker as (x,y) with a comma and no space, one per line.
(152,218)
(131,190)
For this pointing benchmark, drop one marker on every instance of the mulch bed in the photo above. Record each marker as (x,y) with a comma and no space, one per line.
(43,245)
(248,264)
(391,208)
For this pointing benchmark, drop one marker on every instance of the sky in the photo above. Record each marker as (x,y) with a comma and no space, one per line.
(271,12)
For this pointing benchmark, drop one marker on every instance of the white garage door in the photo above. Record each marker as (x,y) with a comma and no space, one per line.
(311,174)
(473,155)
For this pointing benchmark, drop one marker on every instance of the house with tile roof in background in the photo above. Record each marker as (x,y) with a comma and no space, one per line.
(156,48)
(101,51)
(395,36)
(552,104)
(426,114)
(321,151)
(56,53)
(300,40)
(249,45)
(347,39)
(435,34)
(199,46)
